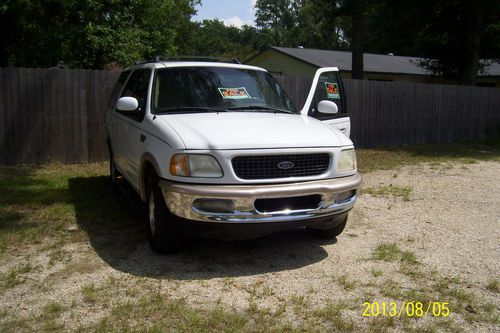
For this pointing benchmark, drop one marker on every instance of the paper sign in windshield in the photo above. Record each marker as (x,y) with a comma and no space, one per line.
(332,90)
(234,93)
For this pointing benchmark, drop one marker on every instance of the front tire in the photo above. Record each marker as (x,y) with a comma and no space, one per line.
(332,232)
(114,174)
(163,235)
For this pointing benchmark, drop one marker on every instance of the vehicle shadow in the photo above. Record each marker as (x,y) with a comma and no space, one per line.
(114,224)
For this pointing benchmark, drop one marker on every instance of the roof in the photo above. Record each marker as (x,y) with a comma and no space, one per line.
(377,63)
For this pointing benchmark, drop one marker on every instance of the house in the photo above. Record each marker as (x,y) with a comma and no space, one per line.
(380,67)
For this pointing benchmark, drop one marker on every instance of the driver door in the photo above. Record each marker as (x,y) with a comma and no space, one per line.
(327,85)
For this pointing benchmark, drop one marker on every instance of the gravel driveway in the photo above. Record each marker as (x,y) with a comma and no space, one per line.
(445,229)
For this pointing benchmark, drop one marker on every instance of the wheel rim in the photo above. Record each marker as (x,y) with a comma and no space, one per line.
(152,213)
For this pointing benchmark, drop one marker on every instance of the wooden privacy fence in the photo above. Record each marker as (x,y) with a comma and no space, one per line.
(396,113)
(53,115)
(58,114)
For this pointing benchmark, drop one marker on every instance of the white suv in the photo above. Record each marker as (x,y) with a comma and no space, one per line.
(219,150)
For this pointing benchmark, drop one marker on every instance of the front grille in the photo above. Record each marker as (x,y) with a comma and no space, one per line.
(266,166)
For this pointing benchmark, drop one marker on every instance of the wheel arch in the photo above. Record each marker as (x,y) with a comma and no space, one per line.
(148,164)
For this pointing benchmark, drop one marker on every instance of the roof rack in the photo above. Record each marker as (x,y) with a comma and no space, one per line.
(188,58)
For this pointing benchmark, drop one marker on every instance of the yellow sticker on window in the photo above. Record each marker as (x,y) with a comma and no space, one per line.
(234,93)
(332,90)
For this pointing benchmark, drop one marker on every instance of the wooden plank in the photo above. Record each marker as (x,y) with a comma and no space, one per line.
(39,123)
(3,119)
(84,148)
(15,116)
(70,115)
(30,135)
(47,116)
(75,117)
(90,114)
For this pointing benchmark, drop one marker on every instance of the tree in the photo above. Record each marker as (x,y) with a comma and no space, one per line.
(323,25)
(213,38)
(457,35)
(90,34)
(279,20)
(357,14)
(451,34)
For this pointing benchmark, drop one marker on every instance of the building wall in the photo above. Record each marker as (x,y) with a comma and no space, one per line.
(275,61)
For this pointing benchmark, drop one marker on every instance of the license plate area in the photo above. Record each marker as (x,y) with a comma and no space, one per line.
(273,205)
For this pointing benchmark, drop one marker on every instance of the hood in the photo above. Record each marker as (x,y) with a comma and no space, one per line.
(252,130)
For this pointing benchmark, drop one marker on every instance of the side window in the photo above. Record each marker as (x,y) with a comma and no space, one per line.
(117,88)
(137,86)
(330,88)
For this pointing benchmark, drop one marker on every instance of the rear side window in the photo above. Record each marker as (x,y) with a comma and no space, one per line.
(329,88)
(117,88)
(137,86)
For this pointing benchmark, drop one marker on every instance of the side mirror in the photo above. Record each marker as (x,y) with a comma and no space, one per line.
(127,104)
(326,106)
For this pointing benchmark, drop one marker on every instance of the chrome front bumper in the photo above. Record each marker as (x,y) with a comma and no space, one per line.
(179,198)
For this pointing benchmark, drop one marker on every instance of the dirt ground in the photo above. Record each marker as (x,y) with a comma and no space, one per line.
(424,232)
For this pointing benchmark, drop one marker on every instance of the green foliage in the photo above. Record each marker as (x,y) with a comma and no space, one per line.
(441,30)
(386,252)
(213,38)
(90,34)
(114,33)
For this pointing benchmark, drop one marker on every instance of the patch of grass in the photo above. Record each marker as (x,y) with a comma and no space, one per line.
(58,255)
(175,315)
(391,288)
(444,284)
(402,192)
(52,310)
(299,302)
(332,313)
(90,293)
(489,312)
(346,282)
(381,324)
(395,157)
(430,327)
(493,285)
(408,257)
(63,203)
(377,272)
(14,276)
(462,301)
(386,252)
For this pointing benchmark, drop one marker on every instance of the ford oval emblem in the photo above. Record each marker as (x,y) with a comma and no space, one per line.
(285,165)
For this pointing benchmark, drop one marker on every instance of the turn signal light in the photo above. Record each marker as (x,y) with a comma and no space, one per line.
(179,165)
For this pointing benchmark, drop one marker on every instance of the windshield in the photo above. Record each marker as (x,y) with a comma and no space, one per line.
(205,89)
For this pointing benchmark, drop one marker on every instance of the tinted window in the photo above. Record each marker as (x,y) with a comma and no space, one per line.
(137,86)
(217,87)
(330,88)
(117,88)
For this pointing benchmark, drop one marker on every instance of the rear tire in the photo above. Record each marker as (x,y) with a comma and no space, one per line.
(163,235)
(332,232)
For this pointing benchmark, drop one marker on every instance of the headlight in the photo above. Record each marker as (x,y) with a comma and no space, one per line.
(347,160)
(194,165)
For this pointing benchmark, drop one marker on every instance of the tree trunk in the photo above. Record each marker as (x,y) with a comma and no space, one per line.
(357,39)
(471,42)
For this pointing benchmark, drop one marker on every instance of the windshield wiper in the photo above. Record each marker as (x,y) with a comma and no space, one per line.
(257,108)
(188,109)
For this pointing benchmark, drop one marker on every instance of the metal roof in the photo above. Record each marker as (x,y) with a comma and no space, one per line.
(377,63)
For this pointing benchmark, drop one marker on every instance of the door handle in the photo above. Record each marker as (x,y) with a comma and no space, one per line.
(143,138)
